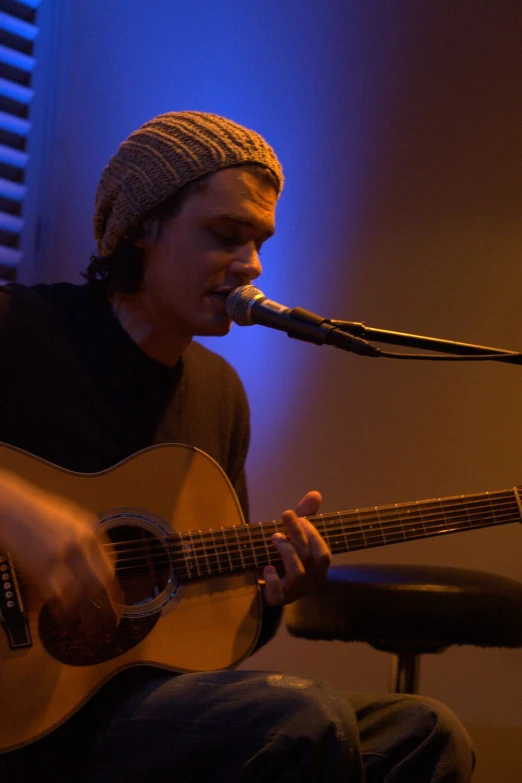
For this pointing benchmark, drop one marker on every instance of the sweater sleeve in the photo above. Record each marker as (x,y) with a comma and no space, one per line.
(228,394)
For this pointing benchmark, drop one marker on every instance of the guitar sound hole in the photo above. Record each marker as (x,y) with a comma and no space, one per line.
(142,564)
(143,571)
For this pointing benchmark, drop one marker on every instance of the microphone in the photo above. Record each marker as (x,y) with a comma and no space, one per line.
(247,305)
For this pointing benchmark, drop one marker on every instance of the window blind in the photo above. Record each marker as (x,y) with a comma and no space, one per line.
(18,32)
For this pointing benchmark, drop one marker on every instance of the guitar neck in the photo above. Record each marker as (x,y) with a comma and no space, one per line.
(244,547)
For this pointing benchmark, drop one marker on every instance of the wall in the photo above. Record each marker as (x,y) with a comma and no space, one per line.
(397,124)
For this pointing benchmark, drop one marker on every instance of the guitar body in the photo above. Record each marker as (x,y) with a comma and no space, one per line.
(204,624)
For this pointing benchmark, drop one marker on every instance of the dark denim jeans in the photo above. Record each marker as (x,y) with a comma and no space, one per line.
(228,727)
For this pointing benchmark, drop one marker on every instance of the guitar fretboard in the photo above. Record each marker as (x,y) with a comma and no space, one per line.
(226,550)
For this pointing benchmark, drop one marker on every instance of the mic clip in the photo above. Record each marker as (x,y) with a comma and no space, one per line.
(326,331)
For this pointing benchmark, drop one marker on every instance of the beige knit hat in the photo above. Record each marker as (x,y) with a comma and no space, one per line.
(163,155)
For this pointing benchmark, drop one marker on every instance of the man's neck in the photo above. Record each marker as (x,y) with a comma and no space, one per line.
(157,343)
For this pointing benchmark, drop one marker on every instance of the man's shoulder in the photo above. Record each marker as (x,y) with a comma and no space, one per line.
(16,292)
(17,302)
(42,296)
(39,312)
(214,377)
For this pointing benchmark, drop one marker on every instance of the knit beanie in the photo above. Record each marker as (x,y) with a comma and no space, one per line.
(166,153)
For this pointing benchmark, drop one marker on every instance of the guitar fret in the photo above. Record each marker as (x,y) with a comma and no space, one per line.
(327,532)
(203,545)
(263,555)
(319,523)
(394,525)
(239,548)
(337,539)
(447,524)
(439,524)
(206,556)
(252,547)
(417,519)
(399,520)
(267,548)
(488,498)
(443,519)
(374,533)
(516,503)
(214,555)
(354,539)
(194,558)
(226,550)
(232,547)
(470,523)
(223,559)
(178,547)
(247,557)
(412,521)
(361,528)
(399,530)
(414,533)
(378,518)
(217,549)
(274,556)
(363,535)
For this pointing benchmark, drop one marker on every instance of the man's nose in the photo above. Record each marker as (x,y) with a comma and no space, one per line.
(246,262)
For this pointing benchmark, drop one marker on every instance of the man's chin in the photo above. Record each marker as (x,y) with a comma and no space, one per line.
(218,328)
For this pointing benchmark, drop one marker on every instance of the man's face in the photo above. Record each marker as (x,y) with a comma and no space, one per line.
(208,248)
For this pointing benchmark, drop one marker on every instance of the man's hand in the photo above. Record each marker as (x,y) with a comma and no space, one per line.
(305,554)
(52,541)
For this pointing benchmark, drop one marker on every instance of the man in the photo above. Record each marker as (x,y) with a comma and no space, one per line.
(101,371)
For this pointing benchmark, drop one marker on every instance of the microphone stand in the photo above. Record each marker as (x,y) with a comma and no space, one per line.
(428,343)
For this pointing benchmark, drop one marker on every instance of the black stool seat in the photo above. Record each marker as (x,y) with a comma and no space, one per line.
(415,609)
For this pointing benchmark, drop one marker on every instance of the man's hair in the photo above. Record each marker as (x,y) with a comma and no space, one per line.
(122,270)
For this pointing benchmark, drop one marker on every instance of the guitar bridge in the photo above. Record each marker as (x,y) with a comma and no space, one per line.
(12,614)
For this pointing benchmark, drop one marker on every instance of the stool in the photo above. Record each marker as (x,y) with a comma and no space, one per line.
(410,610)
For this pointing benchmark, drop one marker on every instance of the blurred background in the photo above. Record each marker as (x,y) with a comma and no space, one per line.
(398,126)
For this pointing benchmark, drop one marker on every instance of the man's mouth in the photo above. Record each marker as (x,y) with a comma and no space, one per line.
(221,294)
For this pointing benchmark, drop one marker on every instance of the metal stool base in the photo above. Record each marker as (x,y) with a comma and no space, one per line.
(405,671)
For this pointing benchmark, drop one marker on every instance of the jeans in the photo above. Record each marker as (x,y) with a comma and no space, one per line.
(230,727)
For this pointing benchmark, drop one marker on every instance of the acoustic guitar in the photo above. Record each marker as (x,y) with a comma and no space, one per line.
(187,566)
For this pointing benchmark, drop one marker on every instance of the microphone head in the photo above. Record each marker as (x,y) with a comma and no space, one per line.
(238,303)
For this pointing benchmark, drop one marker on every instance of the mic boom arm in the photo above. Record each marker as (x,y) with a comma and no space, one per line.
(427,343)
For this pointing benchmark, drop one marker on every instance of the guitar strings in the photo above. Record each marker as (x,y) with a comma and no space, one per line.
(261,546)
(382,524)
(333,530)
(216,568)
(214,551)
(180,570)
(258,542)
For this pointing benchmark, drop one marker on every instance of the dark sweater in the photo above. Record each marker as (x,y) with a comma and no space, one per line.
(78,392)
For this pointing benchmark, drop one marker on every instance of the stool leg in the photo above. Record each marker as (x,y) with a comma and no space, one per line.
(404,673)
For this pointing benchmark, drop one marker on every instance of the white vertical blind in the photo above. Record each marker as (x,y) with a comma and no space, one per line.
(18,31)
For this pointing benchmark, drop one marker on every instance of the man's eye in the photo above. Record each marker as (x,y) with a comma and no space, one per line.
(227,240)
(233,240)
